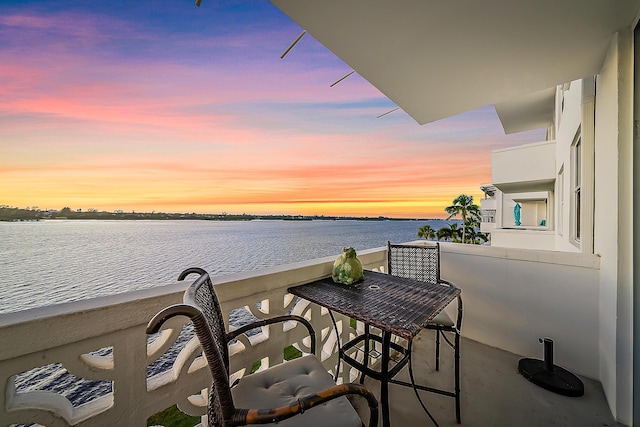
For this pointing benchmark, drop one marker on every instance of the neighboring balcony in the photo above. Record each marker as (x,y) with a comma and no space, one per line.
(488,208)
(534,229)
(511,298)
(525,168)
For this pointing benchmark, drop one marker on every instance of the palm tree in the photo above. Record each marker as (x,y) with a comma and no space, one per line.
(463,205)
(456,233)
(427,232)
(474,236)
(444,233)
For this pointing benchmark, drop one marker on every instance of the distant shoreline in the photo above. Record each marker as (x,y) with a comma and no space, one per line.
(16,214)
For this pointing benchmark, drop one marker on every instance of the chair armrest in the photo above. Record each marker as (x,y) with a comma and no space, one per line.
(188,271)
(460,308)
(262,416)
(277,319)
(448,283)
(165,314)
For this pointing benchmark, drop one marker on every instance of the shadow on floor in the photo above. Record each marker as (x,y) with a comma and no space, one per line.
(493,392)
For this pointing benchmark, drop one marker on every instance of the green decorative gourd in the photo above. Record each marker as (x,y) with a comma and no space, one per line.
(347,268)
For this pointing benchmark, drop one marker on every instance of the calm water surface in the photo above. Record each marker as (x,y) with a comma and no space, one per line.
(55,261)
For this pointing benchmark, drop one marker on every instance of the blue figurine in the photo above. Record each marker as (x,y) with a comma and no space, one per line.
(516,213)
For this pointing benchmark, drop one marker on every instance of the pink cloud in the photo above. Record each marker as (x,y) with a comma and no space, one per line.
(87,125)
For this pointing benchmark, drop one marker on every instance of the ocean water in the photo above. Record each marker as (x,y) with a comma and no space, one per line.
(56,261)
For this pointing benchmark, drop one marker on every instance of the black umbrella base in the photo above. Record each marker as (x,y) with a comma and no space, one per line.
(557,380)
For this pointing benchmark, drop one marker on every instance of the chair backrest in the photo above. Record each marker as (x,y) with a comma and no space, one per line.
(415,261)
(213,337)
(202,295)
(420,262)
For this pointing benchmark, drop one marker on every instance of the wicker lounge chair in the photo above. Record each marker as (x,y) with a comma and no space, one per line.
(301,387)
(422,262)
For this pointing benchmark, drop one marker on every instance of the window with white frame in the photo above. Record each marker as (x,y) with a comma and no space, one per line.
(560,193)
(576,186)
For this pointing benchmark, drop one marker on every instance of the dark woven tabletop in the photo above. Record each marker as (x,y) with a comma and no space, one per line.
(394,304)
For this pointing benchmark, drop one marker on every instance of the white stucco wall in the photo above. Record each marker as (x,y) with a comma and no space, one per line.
(513,297)
(624,333)
(605,215)
(523,239)
(613,223)
(609,204)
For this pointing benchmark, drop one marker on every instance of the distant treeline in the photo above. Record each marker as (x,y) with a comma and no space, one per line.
(8,213)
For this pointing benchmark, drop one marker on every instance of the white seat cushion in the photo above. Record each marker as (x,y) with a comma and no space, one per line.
(442,319)
(286,383)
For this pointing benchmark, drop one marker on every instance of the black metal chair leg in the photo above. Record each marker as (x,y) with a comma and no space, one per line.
(366,353)
(415,387)
(335,329)
(437,350)
(457,376)
(384,378)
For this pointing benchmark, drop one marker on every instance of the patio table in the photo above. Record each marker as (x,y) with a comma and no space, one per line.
(396,306)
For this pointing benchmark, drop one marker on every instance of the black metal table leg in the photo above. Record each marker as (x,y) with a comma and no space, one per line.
(384,378)
(365,359)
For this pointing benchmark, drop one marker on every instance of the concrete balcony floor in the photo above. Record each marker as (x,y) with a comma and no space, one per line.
(493,392)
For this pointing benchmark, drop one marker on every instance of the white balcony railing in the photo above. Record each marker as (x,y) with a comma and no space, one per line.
(511,298)
(104,340)
(529,167)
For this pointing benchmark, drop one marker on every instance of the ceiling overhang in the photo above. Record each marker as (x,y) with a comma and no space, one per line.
(532,111)
(435,59)
(526,186)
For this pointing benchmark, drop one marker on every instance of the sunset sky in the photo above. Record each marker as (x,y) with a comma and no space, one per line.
(161,105)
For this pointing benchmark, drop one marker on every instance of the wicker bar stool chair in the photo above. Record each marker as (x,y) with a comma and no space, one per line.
(422,262)
(301,387)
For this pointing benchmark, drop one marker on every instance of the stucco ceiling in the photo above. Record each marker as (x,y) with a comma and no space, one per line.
(531,111)
(435,59)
